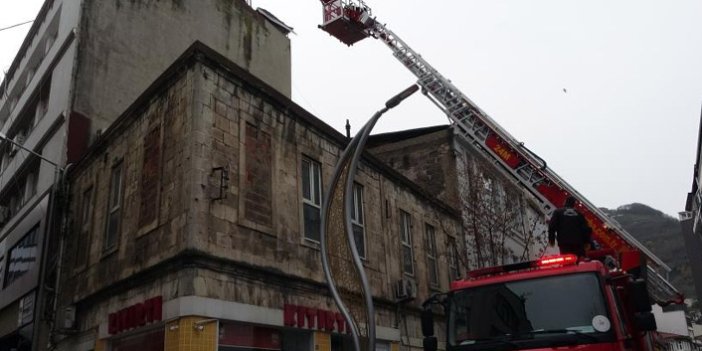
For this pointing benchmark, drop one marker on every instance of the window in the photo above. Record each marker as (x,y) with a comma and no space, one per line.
(114,206)
(481,315)
(30,186)
(82,240)
(618,311)
(42,102)
(22,257)
(2,270)
(432,268)
(87,209)
(311,198)
(49,42)
(406,238)
(453,260)
(14,205)
(359,232)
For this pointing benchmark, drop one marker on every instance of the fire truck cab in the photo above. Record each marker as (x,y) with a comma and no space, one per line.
(552,303)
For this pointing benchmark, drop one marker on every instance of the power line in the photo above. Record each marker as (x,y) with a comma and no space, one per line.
(15,25)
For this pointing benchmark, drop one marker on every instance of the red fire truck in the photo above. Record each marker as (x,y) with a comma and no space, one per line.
(554,302)
(351,21)
(595,304)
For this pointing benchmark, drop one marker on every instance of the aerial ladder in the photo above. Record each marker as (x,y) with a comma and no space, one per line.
(351,21)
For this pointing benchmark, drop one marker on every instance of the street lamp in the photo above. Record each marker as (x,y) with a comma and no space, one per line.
(349,162)
(39,296)
(5,138)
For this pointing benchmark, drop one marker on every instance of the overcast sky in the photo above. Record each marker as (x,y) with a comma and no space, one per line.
(624,130)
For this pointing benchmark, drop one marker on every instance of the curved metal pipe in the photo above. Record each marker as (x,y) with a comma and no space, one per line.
(356,144)
(348,195)
(326,203)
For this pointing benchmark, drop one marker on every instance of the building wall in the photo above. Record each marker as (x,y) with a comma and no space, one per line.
(245,248)
(127,44)
(33,103)
(500,222)
(43,108)
(428,160)
(91,266)
(693,245)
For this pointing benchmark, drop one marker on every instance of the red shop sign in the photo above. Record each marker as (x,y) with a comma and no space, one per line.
(136,315)
(313,318)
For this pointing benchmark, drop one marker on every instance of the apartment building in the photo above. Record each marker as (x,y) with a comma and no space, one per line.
(691,221)
(195,225)
(81,65)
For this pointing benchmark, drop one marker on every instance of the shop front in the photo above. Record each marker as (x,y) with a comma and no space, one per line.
(137,327)
(194,323)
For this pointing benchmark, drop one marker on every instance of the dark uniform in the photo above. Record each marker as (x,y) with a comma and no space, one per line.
(570,228)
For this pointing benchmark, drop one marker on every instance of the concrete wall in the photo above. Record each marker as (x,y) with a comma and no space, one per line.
(125,45)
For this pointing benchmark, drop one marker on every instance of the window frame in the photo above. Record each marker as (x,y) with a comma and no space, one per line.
(30,185)
(431,255)
(453,267)
(315,197)
(357,214)
(87,209)
(406,241)
(2,270)
(116,209)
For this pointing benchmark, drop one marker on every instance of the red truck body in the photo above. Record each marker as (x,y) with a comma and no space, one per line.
(549,304)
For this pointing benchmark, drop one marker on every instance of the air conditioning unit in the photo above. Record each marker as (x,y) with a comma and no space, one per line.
(405,289)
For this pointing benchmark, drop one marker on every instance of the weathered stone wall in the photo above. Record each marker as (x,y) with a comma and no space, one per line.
(260,220)
(236,238)
(501,224)
(428,160)
(155,194)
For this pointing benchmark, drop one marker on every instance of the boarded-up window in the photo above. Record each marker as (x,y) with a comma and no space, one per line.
(151,165)
(258,177)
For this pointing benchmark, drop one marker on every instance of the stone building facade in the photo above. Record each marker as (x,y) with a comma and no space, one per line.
(194,225)
(81,65)
(501,222)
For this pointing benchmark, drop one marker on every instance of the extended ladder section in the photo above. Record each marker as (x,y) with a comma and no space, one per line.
(351,21)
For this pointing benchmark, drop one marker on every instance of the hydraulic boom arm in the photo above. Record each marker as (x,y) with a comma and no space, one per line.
(351,21)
